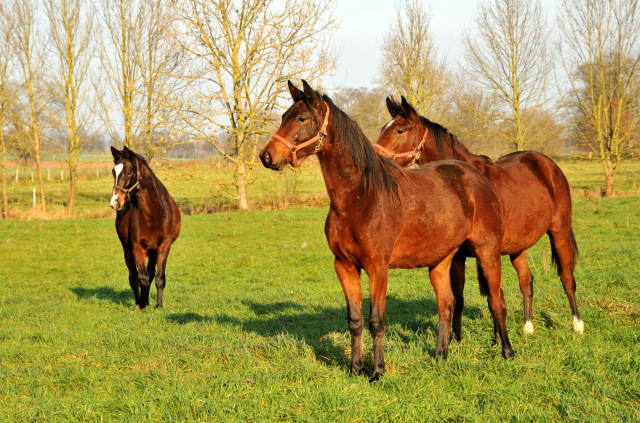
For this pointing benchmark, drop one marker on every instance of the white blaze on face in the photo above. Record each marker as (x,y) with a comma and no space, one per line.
(114,196)
(388,124)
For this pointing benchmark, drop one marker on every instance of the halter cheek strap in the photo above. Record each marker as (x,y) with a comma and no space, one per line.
(295,147)
(132,188)
(415,153)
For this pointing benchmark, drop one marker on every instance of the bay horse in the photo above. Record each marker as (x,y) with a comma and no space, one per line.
(382,216)
(534,193)
(147,223)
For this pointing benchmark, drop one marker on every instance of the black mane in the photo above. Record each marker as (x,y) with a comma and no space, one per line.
(441,135)
(378,173)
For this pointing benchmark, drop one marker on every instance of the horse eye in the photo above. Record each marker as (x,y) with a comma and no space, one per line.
(399,131)
(300,119)
(130,172)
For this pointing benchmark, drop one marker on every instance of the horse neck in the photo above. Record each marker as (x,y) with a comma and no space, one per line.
(460,152)
(148,195)
(342,178)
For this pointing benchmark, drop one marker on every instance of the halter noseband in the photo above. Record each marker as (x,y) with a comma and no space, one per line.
(415,153)
(295,147)
(132,188)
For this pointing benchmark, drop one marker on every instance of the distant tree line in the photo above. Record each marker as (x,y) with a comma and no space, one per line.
(157,75)
(526,81)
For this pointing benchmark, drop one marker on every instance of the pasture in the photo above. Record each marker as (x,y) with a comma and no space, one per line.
(254,328)
(204,186)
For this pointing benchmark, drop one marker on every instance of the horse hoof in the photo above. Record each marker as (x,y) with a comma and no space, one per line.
(140,310)
(578,325)
(375,377)
(355,370)
(528,328)
(508,353)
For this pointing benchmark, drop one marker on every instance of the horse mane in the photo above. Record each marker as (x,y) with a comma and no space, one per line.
(156,181)
(440,134)
(378,173)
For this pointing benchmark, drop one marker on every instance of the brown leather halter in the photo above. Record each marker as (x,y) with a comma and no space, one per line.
(415,153)
(295,147)
(132,188)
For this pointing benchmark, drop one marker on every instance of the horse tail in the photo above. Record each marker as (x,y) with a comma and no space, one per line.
(482,281)
(574,253)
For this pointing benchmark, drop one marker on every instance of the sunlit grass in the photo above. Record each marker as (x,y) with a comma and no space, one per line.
(254,329)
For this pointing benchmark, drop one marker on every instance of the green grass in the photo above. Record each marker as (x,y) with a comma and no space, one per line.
(254,329)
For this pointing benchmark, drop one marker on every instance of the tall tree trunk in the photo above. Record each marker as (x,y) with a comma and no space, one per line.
(73,178)
(609,177)
(5,197)
(241,183)
(43,205)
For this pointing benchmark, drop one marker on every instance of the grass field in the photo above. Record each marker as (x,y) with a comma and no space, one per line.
(254,329)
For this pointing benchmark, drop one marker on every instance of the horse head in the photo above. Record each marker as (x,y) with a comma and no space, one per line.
(126,176)
(302,131)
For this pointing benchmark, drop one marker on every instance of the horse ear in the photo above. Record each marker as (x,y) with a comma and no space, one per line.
(126,153)
(296,94)
(393,107)
(408,108)
(115,153)
(311,94)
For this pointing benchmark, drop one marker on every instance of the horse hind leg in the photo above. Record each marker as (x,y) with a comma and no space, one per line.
(564,253)
(489,261)
(519,262)
(457,285)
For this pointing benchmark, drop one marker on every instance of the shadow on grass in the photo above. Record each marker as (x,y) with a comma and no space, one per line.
(118,296)
(317,326)
(184,318)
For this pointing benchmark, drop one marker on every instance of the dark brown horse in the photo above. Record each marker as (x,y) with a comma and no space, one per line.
(533,191)
(147,222)
(382,216)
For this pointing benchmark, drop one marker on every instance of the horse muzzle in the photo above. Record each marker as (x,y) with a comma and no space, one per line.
(269,162)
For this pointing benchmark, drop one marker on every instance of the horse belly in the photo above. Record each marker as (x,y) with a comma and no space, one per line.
(415,248)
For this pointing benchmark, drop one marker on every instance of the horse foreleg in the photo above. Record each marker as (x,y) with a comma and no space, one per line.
(378,278)
(457,284)
(440,277)
(489,261)
(349,276)
(130,260)
(161,276)
(140,255)
(519,262)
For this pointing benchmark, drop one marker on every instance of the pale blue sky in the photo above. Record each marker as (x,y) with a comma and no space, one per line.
(364,22)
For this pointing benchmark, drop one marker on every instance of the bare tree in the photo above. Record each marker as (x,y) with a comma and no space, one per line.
(29,56)
(601,55)
(242,54)
(6,97)
(509,57)
(364,105)
(160,60)
(121,71)
(71,24)
(411,66)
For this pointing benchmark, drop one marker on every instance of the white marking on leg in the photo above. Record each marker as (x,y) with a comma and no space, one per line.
(528,328)
(578,325)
